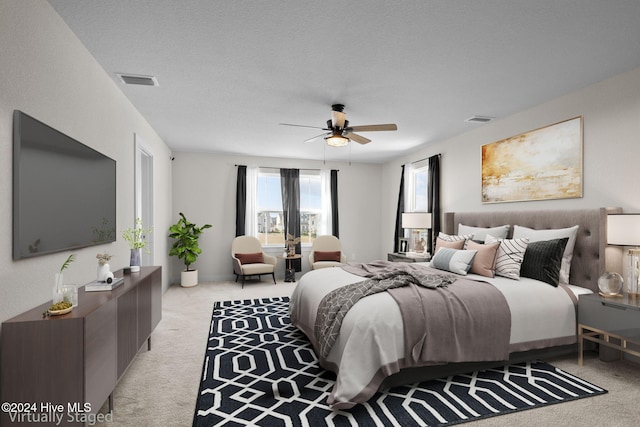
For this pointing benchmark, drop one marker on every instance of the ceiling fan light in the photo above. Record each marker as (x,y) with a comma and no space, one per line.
(337,140)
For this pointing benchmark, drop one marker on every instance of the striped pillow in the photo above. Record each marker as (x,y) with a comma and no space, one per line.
(510,255)
(453,237)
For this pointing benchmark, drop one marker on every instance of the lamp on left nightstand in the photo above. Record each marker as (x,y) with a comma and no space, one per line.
(417,221)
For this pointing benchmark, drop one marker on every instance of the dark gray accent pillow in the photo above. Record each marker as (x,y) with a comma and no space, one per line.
(542,260)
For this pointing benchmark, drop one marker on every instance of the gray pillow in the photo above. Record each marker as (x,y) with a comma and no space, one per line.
(453,260)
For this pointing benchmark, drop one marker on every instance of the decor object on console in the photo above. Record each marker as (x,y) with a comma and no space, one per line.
(610,284)
(417,221)
(185,247)
(58,288)
(624,230)
(541,164)
(103,266)
(136,237)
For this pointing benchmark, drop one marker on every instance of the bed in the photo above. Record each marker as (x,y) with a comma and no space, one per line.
(377,345)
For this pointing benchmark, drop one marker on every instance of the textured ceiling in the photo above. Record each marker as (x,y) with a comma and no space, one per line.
(230,71)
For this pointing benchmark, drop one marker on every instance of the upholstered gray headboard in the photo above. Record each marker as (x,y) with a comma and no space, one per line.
(588,261)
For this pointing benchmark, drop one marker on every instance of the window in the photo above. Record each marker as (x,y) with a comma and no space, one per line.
(314,206)
(310,206)
(416,176)
(270,224)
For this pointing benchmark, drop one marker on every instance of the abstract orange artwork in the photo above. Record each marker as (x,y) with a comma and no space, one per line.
(541,164)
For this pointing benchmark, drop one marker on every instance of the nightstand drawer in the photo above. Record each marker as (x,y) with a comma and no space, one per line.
(608,316)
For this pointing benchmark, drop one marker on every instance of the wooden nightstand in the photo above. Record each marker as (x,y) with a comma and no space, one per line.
(612,322)
(408,257)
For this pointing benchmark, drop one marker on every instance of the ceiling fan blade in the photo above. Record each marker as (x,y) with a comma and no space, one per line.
(373,128)
(338,119)
(303,126)
(317,136)
(357,138)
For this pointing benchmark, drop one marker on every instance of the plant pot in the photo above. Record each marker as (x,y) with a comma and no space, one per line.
(189,278)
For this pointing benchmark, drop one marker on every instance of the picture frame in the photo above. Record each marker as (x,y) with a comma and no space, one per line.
(403,245)
(542,164)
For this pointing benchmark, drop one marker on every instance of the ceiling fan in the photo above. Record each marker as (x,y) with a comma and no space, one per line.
(339,133)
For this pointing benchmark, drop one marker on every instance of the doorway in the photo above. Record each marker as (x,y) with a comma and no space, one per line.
(143,170)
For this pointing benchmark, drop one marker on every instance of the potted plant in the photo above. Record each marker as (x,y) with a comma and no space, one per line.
(185,247)
(136,237)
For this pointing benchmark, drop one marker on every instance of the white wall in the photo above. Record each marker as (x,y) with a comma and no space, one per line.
(47,73)
(611,151)
(204,189)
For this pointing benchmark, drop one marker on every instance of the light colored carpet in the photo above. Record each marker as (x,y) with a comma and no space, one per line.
(161,385)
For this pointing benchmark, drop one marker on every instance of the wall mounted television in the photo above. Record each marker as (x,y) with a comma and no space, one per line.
(64,192)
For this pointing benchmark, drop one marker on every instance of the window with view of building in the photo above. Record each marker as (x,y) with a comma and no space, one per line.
(270,223)
(310,206)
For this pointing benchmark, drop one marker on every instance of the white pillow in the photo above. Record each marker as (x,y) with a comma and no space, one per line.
(510,256)
(454,260)
(480,233)
(557,233)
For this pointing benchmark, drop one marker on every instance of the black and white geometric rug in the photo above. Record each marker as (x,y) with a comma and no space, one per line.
(261,371)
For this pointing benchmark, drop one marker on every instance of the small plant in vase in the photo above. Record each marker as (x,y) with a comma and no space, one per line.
(61,300)
(137,239)
(291,244)
(185,247)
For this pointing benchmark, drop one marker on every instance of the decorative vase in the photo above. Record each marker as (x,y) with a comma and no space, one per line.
(134,261)
(70,294)
(103,270)
(58,292)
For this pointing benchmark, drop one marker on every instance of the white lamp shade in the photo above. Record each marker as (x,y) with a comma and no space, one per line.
(623,229)
(416,220)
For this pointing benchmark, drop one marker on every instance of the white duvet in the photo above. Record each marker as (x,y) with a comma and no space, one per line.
(371,342)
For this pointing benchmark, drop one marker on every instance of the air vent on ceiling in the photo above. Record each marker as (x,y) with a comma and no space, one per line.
(136,79)
(479,119)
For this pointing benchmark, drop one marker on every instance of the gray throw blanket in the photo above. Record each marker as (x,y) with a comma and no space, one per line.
(382,276)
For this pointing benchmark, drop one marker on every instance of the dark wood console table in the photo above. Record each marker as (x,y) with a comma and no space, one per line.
(78,358)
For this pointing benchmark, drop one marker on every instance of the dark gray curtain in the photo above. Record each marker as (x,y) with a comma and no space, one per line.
(290,184)
(241,200)
(399,231)
(433,201)
(334,203)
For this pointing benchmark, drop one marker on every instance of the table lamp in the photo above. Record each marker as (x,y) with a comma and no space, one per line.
(624,230)
(416,221)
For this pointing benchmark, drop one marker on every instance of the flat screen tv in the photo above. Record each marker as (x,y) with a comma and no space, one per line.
(64,193)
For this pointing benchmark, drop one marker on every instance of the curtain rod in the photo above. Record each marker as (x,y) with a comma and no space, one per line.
(426,158)
(302,169)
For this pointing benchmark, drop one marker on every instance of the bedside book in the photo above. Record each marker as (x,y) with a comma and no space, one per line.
(98,285)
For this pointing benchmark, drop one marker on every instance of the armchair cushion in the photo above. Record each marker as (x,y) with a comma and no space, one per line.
(254,258)
(327,256)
